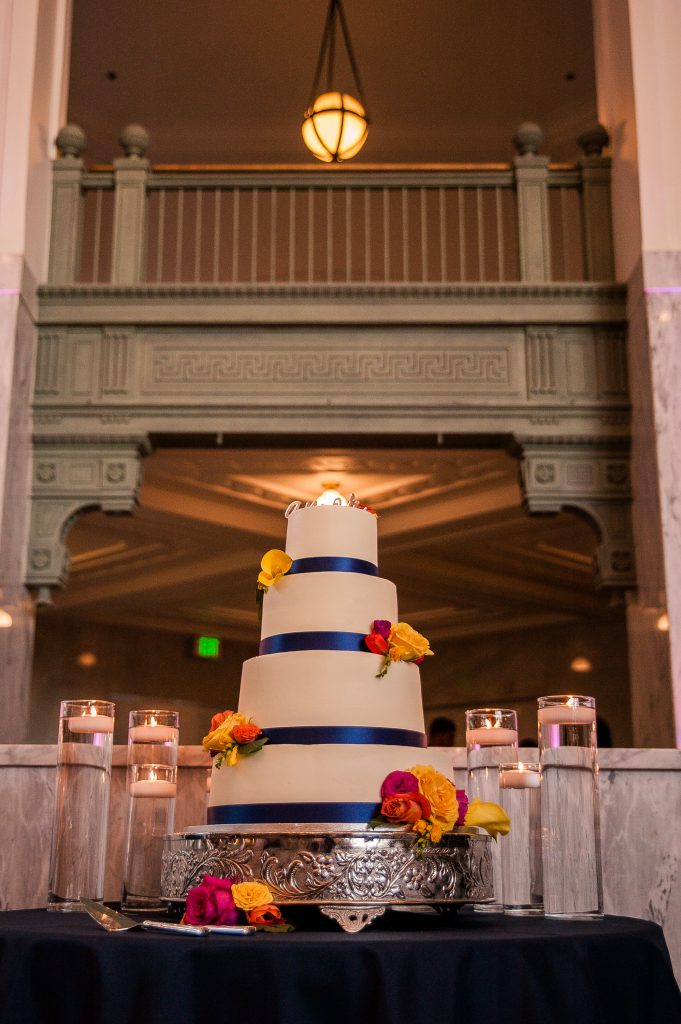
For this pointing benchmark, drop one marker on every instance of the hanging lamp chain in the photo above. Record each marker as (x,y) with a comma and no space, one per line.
(327,53)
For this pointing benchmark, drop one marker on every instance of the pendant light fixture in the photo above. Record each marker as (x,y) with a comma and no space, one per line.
(335,124)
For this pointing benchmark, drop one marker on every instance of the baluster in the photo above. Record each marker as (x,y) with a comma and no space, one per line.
(386,235)
(310,234)
(348,234)
(481,235)
(217,192)
(531,177)
(424,237)
(273,233)
(254,236)
(367,235)
(291,234)
(96,242)
(564,232)
(329,235)
(160,233)
(130,207)
(462,233)
(235,233)
(442,220)
(500,233)
(67,206)
(197,234)
(405,236)
(179,237)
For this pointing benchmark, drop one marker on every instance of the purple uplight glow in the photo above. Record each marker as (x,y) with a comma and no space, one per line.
(9,291)
(672,290)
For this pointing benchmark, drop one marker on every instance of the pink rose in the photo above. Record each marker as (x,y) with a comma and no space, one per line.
(211,903)
(463,806)
(405,809)
(399,782)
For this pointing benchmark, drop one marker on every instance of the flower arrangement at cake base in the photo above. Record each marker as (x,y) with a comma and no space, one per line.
(229,901)
(430,804)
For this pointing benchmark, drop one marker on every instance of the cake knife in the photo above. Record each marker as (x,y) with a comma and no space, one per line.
(114,921)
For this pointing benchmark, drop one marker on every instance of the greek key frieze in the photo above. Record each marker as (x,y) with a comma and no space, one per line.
(171,367)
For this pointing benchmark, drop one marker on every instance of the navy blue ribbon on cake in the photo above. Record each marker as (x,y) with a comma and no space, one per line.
(308,734)
(329,563)
(313,640)
(256,814)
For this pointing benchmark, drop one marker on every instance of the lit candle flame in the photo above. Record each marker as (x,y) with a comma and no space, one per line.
(153,722)
(152,776)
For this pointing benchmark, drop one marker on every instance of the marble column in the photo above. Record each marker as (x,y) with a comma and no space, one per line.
(638,77)
(34,46)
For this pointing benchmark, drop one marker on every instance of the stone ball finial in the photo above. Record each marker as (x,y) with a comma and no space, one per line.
(71,140)
(528,139)
(134,140)
(594,140)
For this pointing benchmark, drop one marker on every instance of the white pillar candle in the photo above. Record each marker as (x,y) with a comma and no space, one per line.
(91,723)
(566,714)
(158,788)
(491,737)
(519,778)
(153,734)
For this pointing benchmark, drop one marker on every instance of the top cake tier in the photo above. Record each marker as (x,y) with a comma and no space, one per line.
(332,531)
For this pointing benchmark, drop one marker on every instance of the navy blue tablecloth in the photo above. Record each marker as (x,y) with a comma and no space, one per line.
(460,969)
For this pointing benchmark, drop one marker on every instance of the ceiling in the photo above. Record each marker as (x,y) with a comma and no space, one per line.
(465,557)
(226,81)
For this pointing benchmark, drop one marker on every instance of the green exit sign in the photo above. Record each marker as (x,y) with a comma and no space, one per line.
(207,647)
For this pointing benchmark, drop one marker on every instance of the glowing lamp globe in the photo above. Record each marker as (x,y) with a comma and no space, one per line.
(335,127)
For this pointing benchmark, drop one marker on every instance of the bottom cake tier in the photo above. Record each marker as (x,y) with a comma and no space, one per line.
(351,876)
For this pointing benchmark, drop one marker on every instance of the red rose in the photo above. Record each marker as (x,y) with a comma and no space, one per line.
(267,914)
(218,719)
(376,643)
(245,733)
(405,809)
(211,903)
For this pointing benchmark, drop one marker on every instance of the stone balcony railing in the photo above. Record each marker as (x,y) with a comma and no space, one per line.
(138,223)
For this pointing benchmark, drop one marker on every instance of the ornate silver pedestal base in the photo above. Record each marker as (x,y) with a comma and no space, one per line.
(351,876)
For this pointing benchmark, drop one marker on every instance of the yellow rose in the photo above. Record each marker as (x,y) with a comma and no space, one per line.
(249,895)
(440,794)
(491,817)
(435,834)
(420,826)
(274,565)
(221,738)
(406,644)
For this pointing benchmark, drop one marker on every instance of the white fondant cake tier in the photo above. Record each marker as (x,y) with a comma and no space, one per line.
(328,601)
(321,773)
(330,688)
(332,531)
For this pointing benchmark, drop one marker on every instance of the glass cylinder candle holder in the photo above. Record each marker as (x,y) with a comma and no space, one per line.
(491,738)
(83,781)
(571,853)
(521,854)
(153,737)
(152,789)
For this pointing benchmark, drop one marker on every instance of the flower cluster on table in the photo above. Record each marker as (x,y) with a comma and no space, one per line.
(227,901)
(426,799)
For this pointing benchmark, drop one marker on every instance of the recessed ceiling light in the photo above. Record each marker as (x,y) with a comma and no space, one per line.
(581,665)
(663,623)
(87,659)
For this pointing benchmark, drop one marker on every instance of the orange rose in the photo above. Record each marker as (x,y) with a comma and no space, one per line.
(267,914)
(245,733)
(405,808)
(218,719)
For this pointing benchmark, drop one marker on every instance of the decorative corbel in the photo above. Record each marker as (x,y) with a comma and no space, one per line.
(70,477)
(593,480)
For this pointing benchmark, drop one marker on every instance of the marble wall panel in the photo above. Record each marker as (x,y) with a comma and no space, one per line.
(640,793)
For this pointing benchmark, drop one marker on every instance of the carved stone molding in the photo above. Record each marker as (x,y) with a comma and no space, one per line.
(71,476)
(595,481)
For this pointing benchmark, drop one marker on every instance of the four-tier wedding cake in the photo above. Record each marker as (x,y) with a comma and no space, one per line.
(335,726)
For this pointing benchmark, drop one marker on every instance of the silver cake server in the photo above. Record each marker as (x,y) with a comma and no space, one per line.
(114,921)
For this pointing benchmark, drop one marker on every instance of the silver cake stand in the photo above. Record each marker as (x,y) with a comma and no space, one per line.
(352,876)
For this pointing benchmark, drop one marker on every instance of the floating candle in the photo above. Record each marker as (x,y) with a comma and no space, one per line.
(153,733)
(91,723)
(491,736)
(566,714)
(519,778)
(158,788)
